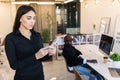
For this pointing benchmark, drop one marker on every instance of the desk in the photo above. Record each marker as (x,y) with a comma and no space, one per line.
(91,51)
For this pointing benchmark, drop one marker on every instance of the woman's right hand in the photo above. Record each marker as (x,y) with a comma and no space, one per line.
(42,52)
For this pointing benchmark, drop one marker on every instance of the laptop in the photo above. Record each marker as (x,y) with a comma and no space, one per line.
(106,44)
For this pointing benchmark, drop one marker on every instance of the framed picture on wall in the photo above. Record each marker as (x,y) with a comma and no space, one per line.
(105,24)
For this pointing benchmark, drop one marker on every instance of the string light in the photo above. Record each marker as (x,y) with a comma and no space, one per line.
(81,0)
(67,1)
(116,3)
(86,5)
(97,1)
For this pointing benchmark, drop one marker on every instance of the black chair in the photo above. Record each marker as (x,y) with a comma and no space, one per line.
(68,68)
(77,74)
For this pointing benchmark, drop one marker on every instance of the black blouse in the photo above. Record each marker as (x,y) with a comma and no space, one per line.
(20,52)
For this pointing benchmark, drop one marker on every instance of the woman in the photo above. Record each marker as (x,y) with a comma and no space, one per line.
(71,55)
(24,48)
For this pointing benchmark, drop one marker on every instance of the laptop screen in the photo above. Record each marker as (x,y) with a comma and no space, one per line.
(106,43)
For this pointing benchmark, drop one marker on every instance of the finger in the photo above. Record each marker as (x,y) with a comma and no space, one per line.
(46,51)
(51,49)
(53,52)
(46,48)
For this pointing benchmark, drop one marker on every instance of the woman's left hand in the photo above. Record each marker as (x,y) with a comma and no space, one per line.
(52,50)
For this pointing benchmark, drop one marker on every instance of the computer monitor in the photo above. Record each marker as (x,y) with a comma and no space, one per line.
(106,43)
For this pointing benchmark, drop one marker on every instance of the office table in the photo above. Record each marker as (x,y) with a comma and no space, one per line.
(90,51)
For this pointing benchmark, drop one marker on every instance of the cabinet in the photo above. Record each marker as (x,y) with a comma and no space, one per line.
(116,43)
(96,38)
(80,39)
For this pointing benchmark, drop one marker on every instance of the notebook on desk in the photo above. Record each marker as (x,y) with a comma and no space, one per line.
(115,72)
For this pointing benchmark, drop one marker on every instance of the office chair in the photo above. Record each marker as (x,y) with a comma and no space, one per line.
(69,69)
(77,74)
(73,70)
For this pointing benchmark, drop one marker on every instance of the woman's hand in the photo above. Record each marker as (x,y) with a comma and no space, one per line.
(52,50)
(42,52)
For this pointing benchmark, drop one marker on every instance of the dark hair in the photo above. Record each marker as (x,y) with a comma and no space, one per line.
(68,39)
(21,11)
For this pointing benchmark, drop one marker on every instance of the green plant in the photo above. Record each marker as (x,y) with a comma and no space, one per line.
(115,56)
(46,35)
(49,23)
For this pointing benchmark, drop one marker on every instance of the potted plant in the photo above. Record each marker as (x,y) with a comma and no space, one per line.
(46,35)
(115,57)
(46,40)
(50,24)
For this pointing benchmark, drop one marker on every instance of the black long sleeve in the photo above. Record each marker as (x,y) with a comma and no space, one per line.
(16,63)
(21,51)
(71,55)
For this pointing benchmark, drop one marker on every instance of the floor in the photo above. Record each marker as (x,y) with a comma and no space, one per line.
(53,70)
(56,70)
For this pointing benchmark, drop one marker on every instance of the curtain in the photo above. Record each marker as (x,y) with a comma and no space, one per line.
(41,17)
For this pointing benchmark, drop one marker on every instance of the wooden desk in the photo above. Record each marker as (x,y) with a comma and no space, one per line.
(90,51)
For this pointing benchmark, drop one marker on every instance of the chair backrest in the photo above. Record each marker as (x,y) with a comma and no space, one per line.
(77,74)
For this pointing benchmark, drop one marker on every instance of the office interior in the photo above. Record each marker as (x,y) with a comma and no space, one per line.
(74,17)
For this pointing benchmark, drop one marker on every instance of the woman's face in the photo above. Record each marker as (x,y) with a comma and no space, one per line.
(28,20)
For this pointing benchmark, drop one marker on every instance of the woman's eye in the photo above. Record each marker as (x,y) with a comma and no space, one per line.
(28,18)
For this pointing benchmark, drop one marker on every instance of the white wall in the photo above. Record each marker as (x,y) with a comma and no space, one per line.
(89,15)
(93,14)
(7,14)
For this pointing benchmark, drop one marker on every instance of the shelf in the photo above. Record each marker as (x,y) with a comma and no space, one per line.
(78,39)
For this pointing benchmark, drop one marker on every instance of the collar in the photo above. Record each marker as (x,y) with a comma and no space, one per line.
(68,45)
(17,32)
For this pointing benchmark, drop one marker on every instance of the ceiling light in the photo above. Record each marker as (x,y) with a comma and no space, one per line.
(48,3)
(58,2)
(20,2)
(81,0)
(116,3)
(32,2)
(68,1)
